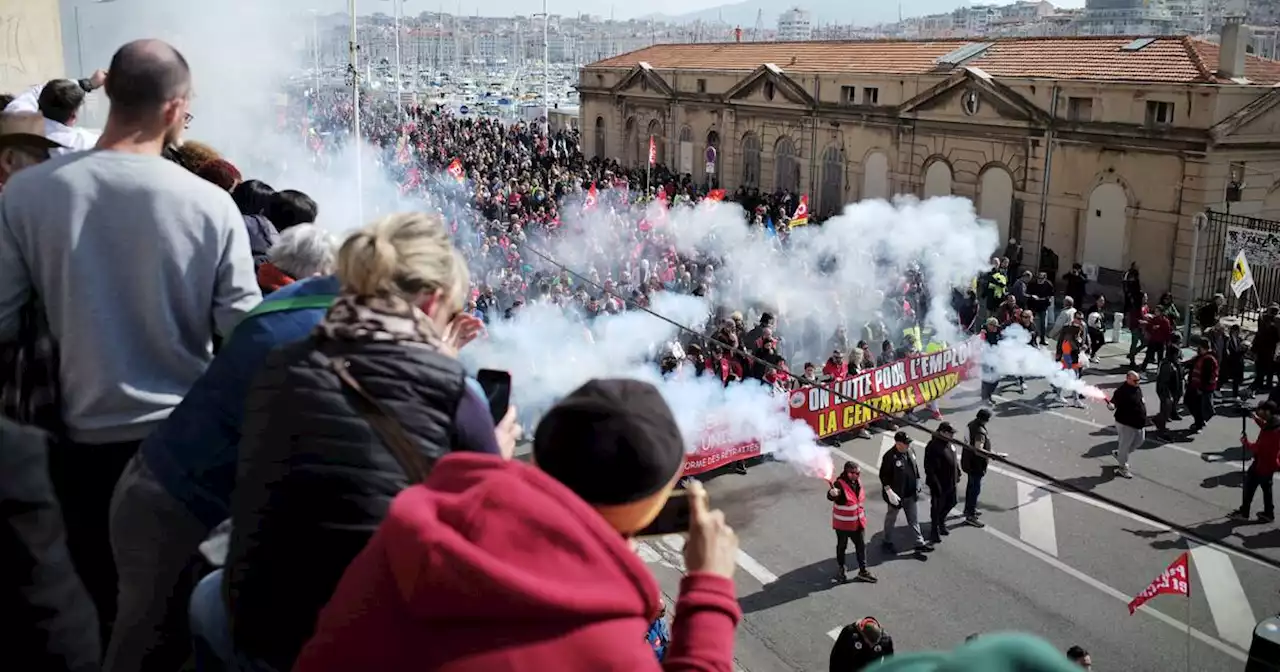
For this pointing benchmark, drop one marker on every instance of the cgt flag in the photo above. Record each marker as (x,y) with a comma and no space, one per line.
(801,216)
(1172,581)
(455,169)
(1241,275)
(653,152)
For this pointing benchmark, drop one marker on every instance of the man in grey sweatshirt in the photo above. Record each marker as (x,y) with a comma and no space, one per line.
(136,263)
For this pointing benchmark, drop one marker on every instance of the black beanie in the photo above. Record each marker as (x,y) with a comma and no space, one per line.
(611,441)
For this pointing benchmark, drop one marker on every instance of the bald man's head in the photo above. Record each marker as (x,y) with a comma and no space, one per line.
(145,76)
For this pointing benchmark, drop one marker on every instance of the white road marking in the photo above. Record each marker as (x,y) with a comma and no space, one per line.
(1221,588)
(835,633)
(1085,499)
(1035,518)
(1180,626)
(886,445)
(755,569)
(1095,425)
(1104,588)
(674,543)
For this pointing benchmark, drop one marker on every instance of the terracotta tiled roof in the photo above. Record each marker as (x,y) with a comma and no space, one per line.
(1172,59)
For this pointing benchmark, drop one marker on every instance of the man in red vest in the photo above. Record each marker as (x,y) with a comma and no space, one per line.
(849,519)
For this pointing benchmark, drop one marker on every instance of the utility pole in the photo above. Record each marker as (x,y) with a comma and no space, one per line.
(354,51)
(546,72)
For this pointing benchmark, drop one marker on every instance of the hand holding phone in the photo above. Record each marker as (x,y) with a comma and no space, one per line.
(712,546)
(497,390)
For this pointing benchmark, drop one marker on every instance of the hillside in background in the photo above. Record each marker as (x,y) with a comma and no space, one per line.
(824,11)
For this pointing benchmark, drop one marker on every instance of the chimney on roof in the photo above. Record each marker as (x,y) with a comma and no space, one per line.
(1235,43)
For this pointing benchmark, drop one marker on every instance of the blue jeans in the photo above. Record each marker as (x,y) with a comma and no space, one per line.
(972,489)
(211,631)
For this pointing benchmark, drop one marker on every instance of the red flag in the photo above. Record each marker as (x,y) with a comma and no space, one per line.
(412,181)
(715,195)
(455,169)
(653,152)
(1172,581)
(590,204)
(801,218)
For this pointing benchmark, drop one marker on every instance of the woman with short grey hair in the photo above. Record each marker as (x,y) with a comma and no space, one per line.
(302,251)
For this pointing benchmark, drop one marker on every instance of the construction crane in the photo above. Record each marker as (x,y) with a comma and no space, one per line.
(755,33)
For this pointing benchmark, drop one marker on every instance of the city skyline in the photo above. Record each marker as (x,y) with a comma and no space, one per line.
(504,8)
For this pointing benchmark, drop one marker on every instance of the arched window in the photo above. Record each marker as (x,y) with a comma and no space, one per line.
(751,160)
(659,143)
(713,143)
(629,143)
(937,179)
(786,167)
(831,196)
(686,150)
(600,135)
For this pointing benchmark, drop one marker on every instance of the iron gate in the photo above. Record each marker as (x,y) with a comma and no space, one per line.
(1224,236)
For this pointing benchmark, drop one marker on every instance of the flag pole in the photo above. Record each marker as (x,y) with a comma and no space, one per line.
(648,165)
(1188,619)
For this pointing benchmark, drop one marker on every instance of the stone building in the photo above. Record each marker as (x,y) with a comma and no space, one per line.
(1099,149)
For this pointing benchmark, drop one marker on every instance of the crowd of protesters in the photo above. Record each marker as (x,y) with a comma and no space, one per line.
(128,442)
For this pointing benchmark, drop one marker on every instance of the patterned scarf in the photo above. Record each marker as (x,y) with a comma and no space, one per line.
(384,318)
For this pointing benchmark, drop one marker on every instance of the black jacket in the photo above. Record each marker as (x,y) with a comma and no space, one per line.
(49,621)
(848,656)
(314,479)
(900,472)
(971,461)
(1131,410)
(941,470)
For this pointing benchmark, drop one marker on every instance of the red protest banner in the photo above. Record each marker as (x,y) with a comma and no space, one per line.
(890,389)
(893,388)
(1172,581)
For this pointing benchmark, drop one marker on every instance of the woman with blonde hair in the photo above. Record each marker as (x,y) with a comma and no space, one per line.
(337,424)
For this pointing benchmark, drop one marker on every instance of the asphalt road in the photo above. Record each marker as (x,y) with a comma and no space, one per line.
(1051,562)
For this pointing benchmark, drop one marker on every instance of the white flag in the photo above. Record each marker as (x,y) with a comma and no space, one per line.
(1241,275)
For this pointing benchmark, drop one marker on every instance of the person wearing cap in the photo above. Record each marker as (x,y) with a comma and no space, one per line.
(23,143)
(1080,657)
(941,474)
(999,651)
(498,564)
(858,645)
(900,479)
(973,461)
(849,520)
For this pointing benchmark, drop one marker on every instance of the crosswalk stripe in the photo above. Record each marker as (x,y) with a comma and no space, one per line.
(1035,518)
(886,445)
(1226,597)
(674,545)
(834,634)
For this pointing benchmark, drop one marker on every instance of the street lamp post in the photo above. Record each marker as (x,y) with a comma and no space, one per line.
(546,72)
(315,49)
(354,50)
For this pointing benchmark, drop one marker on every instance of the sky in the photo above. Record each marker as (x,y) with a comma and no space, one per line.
(620,10)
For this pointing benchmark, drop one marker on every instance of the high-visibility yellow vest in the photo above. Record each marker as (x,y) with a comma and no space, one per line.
(998,284)
(935,346)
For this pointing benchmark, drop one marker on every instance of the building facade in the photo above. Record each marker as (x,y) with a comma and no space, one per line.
(32,45)
(795,25)
(1098,150)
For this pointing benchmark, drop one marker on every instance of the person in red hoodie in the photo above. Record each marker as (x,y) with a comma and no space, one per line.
(494,565)
(1266,460)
